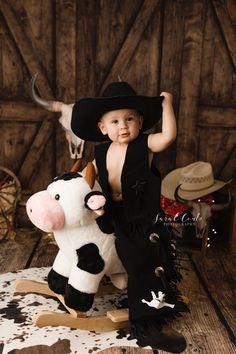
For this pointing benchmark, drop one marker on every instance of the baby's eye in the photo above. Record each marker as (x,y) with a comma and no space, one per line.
(115,121)
(130,118)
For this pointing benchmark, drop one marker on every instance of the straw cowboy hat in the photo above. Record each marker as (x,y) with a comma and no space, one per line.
(196,180)
(118,95)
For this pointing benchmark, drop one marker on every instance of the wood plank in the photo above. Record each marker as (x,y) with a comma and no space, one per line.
(32,159)
(218,273)
(232,10)
(151,49)
(15,254)
(220,143)
(131,41)
(16,138)
(118,315)
(217,117)
(44,170)
(217,76)
(22,111)
(187,141)
(227,28)
(1,53)
(201,327)
(111,31)
(98,323)
(71,311)
(144,72)
(13,70)
(229,168)
(32,286)
(66,59)
(86,44)
(220,102)
(38,21)
(86,79)
(26,48)
(171,63)
(208,56)
(232,236)
(66,34)
(223,69)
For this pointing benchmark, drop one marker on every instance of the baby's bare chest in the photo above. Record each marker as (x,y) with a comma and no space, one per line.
(115,162)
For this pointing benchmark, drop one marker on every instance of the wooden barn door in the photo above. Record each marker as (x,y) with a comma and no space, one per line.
(26,47)
(199,67)
(199,44)
(78,47)
(217,98)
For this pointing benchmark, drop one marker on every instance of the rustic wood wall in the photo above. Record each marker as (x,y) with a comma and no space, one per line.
(77,47)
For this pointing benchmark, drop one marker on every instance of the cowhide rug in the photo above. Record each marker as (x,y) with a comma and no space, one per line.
(18,334)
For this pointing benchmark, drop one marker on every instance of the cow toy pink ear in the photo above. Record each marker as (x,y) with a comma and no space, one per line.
(95,201)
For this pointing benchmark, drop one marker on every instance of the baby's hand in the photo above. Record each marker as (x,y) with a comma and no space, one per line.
(168,98)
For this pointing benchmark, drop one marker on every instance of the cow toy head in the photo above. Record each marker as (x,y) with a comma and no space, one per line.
(68,202)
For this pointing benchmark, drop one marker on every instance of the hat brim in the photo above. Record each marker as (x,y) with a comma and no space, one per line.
(171,181)
(87,111)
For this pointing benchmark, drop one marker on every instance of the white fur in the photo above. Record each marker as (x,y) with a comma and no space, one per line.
(62,265)
(83,281)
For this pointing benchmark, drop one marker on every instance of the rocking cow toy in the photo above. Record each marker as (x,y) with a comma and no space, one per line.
(70,207)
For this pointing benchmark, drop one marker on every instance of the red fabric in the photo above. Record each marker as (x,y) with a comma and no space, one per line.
(174,208)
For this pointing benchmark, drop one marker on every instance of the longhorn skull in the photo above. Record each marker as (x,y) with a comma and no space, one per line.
(76,145)
(202,211)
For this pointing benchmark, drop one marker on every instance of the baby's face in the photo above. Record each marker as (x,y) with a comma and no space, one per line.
(122,125)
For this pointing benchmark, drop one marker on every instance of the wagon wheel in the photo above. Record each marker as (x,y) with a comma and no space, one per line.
(10,192)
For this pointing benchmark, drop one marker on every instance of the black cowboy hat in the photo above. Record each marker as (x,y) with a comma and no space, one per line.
(118,95)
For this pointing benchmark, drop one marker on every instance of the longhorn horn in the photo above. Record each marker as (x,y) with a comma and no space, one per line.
(218,207)
(53,106)
(90,174)
(189,203)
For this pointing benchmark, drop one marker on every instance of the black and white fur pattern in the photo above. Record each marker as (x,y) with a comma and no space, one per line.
(86,253)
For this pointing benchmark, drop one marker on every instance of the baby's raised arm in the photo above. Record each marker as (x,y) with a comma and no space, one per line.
(160,141)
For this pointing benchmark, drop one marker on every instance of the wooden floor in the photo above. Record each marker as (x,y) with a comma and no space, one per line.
(209,283)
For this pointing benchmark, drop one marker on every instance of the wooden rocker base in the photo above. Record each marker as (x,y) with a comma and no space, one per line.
(112,320)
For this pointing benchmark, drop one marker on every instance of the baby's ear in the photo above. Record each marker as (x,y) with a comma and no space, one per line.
(102,128)
(140,122)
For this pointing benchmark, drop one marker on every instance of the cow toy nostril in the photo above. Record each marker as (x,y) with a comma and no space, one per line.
(31,210)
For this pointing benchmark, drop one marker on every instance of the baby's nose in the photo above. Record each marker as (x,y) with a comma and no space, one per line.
(123,124)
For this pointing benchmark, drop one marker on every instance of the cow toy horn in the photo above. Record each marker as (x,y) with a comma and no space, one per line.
(76,166)
(90,174)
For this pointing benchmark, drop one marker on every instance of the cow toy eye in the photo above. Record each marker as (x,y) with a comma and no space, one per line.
(57,196)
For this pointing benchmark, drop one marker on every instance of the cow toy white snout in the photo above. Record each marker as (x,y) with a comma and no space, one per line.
(69,208)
